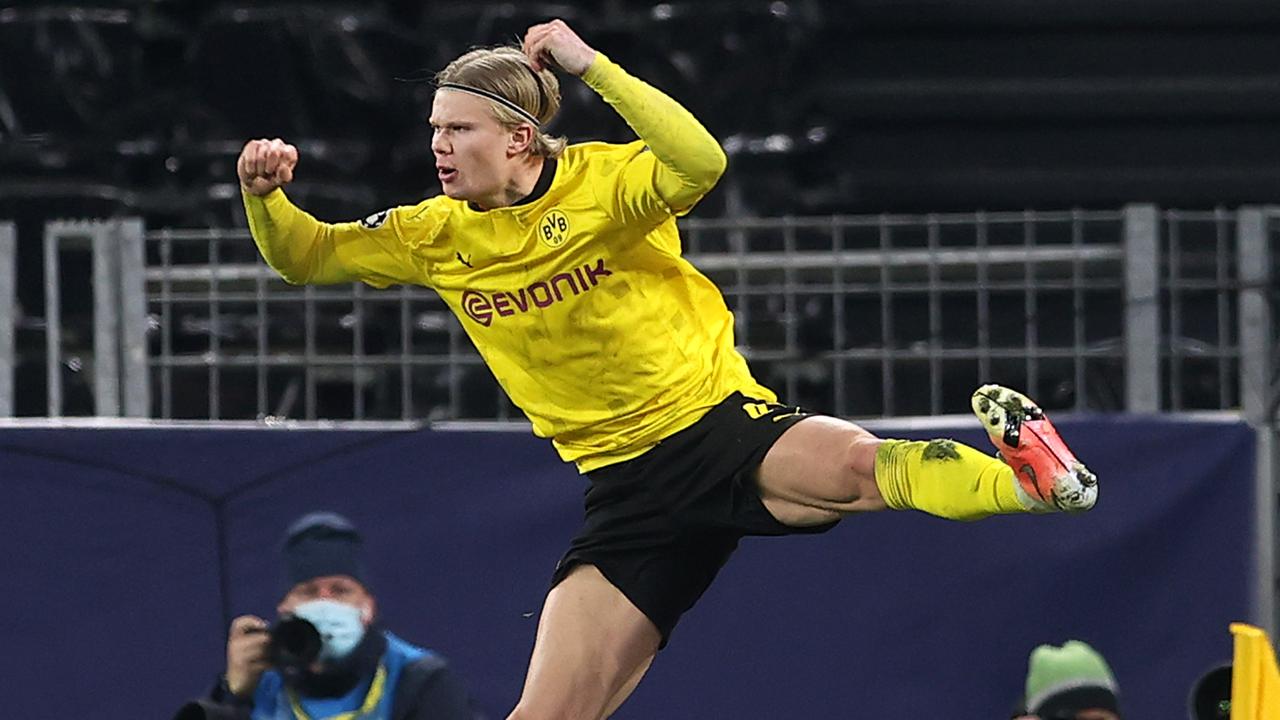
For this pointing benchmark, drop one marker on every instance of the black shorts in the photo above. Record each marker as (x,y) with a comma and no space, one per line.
(660,526)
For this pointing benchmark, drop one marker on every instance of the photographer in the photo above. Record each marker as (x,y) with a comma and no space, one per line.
(346,666)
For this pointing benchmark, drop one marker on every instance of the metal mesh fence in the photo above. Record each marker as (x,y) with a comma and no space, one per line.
(858,316)
(233,340)
(1199,281)
(895,315)
(1135,309)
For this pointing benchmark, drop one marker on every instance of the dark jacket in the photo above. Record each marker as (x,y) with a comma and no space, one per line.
(421,686)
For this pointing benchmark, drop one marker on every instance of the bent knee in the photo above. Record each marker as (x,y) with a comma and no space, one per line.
(856,479)
(860,455)
(828,465)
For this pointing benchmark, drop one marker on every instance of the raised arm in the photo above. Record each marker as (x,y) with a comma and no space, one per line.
(690,161)
(305,250)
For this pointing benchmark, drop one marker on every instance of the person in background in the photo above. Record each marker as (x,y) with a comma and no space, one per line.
(362,670)
(1071,682)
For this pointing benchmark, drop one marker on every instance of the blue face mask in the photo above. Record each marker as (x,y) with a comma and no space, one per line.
(340,625)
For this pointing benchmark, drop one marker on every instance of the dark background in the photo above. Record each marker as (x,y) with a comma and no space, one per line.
(861,106)
(127,550)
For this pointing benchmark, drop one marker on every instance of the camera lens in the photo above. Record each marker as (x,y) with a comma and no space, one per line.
(295,644)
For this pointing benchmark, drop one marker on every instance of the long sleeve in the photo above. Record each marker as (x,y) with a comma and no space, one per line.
(305,250)
(689,160)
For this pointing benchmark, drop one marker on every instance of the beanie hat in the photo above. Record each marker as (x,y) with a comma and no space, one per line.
(1064,680)
(321,544)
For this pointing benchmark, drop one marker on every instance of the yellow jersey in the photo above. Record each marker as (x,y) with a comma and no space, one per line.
(577,298)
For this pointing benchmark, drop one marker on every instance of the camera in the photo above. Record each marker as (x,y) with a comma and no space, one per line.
(295,644)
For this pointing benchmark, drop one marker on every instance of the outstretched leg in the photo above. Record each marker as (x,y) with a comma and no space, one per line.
(592,648)
(823,468)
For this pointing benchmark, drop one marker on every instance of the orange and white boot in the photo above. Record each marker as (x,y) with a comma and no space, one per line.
(1050,478)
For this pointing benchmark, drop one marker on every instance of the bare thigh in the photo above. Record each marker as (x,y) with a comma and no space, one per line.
(593,647)
(821,469)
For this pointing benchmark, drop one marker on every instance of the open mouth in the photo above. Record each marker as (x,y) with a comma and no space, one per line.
(446,174)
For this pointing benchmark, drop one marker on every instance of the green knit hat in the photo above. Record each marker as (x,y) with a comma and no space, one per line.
(1064,680)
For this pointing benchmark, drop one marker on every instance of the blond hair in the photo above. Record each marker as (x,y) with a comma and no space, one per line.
(505,71)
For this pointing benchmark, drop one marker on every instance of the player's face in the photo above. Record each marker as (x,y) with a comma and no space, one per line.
(472,149)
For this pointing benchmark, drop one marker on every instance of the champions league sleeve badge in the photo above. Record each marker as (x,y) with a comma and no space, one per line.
(376,220)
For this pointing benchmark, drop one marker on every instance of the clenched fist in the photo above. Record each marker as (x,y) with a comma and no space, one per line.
(265,165)
(555,44)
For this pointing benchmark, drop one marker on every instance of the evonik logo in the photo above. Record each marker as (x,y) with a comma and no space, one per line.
(482,307)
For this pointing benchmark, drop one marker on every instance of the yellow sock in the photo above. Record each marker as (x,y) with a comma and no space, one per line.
(945,478)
